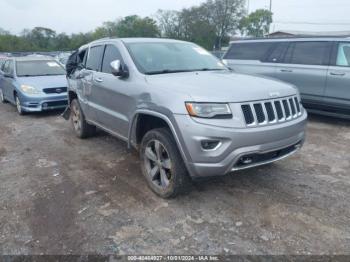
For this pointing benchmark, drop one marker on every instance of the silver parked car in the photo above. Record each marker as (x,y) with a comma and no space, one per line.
(318,67)
(187,114)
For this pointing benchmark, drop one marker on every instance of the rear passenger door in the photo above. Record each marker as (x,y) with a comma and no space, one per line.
(305,64)
(251,58)
(338,84)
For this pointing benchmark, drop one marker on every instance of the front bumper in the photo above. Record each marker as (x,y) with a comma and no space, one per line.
(240,148)
(43,103)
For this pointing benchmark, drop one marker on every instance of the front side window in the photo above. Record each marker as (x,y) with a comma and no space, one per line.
(249,51)
(172,57)
(10,68)
(94,59)
(310,53)
(5,66)
(343,57)
(111,54)
(39,68)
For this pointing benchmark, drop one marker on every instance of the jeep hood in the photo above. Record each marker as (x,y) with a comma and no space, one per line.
(218,86)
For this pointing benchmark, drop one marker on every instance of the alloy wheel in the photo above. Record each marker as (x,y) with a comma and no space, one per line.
(158,164)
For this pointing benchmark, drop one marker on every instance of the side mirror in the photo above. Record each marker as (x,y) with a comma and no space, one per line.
(119,70)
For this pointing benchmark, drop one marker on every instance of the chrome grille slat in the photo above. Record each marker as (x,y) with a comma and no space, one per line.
(268,112)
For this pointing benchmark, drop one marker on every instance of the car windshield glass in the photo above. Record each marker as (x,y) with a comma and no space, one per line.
(38,68)
(166,57)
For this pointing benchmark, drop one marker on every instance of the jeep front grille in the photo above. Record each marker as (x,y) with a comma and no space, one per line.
(271,111)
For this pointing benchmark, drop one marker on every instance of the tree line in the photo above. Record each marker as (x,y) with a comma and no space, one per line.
(211,24)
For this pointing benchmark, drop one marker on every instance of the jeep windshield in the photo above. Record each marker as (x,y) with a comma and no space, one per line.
(39,68)
(172,57)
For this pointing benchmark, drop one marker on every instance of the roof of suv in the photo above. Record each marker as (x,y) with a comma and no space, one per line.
(136,40)
(289,39)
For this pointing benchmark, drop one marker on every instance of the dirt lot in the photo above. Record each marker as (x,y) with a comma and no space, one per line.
(62,195)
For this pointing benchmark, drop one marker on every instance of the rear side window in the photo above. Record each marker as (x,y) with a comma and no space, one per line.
(94,59)
(343,55)
(309,53)
(277,54)
(249,51)
(111,54)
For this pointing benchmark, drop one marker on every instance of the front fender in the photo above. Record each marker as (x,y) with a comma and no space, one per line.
(172,125)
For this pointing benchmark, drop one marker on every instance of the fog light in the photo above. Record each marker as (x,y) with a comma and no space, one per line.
(45,105)
(246,160)
(210,144)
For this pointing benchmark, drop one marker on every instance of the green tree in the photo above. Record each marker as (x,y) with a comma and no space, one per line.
(209,24)
(170,24)
(256,24)
(135,26)
(196,26)
(224,15)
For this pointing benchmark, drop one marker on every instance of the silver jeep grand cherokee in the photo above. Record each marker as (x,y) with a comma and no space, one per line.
(187,114)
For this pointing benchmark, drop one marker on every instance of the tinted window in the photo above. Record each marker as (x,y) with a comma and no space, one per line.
(111,54)
(343,56)
(278,52)
(39,68)
(94,59)
(310,53)
(82,56)
(249,51)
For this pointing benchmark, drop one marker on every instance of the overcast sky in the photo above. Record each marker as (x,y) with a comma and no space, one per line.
(72,16)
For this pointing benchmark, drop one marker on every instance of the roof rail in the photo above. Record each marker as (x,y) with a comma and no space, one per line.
(289,37)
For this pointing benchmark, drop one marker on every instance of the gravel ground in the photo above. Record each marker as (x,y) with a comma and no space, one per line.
(62,195)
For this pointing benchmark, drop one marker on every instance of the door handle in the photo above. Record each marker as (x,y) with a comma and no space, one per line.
(99,80)
(337,74)
(286,71)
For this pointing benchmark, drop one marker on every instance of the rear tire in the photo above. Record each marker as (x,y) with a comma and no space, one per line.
(2,97)
(81,128)
(162,164)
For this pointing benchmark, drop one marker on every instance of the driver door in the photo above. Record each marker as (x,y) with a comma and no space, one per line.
(112,95)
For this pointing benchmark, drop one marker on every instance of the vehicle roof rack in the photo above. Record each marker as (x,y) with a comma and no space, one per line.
(290,37)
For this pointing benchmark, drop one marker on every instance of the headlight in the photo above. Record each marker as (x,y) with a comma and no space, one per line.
(209,110)
(29,89)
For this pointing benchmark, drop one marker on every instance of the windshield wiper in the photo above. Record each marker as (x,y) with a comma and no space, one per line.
(210,69)
(50,75)
(167,71)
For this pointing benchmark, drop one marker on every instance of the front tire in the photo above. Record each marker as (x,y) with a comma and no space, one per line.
(81,128)
(162,164)
(19,106)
